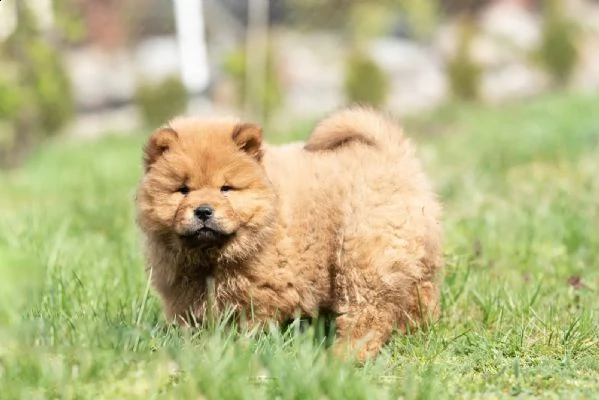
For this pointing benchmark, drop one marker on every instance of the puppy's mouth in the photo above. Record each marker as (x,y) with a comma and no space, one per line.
(205,236)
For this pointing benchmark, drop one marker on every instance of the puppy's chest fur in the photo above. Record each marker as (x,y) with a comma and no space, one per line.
(279,283)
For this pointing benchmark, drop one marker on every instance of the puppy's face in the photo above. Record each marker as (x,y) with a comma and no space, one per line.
(204,186)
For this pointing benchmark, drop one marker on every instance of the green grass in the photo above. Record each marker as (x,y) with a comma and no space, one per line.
(520,303)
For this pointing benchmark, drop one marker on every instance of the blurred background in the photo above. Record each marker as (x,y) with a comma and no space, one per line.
(86,67)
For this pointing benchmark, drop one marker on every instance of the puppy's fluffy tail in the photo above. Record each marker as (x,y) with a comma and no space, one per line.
(357,124)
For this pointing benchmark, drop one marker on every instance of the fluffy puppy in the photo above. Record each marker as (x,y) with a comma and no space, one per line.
(346,223)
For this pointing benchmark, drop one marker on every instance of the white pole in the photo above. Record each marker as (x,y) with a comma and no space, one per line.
(189,18)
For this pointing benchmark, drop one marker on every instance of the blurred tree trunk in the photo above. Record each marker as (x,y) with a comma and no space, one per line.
(256,55)
(469,7)
(472,7)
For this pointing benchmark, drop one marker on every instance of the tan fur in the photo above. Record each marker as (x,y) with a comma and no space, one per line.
(346,223)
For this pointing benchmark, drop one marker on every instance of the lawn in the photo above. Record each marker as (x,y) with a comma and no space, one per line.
(520,312)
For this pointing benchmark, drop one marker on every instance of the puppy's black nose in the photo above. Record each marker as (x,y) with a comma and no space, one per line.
(203,212)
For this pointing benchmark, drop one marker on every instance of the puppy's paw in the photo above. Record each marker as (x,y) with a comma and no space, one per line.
(359,350)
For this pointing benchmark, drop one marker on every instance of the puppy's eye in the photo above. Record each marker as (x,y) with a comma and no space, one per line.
(183,190)
(226,188)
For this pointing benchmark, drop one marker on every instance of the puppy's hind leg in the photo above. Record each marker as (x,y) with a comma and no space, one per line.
(369,315)
(362,331)
(365,318)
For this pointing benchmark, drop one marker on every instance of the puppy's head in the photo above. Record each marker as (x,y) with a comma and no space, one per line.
(204,186)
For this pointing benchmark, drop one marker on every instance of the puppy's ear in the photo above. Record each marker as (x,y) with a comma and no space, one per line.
(248,138)
(158,144)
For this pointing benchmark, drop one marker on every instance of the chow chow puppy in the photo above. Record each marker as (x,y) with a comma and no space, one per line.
(346,224)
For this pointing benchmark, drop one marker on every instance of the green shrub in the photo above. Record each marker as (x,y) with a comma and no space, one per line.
(10,96)
(51,87)
(159,102)
(267,97)
(365,82)
(464,74)
(557,52)
(43,103)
